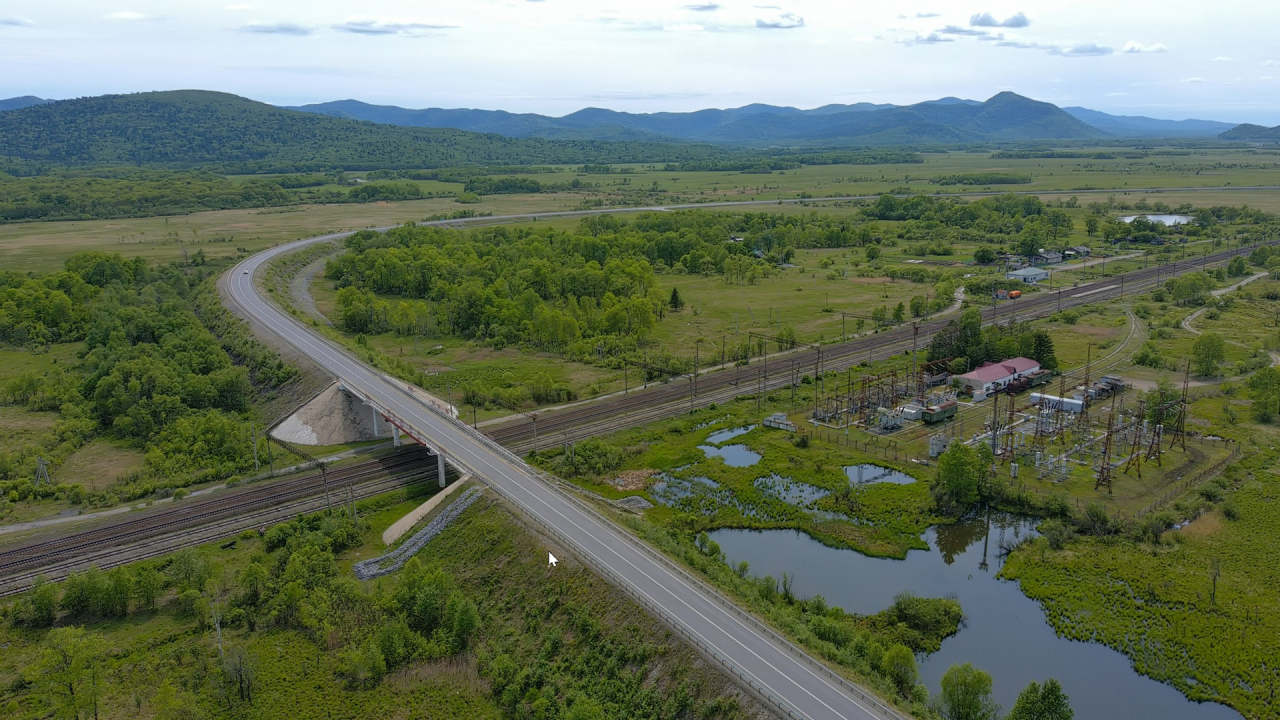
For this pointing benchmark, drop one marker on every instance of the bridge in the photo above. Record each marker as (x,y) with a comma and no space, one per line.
(793,683)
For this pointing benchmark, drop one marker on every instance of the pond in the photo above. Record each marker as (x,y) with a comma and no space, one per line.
(866,474)
(734,455)
(720,436)
(1005,632)
(1166,220)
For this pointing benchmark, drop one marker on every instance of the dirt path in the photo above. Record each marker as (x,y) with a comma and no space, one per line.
(300,289)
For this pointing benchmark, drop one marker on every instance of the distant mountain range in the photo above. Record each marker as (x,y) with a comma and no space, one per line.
(1004,117)
(195,127)
(1138,126)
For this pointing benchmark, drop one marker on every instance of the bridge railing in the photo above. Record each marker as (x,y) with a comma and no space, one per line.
(698,584)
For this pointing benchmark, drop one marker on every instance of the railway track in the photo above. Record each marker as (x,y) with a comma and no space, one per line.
(241,503)
(673,397)
(108,556)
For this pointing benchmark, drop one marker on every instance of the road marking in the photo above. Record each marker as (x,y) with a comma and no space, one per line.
(307,342)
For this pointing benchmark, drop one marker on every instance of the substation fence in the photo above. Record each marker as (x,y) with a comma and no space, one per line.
(707,591)
(1185,485)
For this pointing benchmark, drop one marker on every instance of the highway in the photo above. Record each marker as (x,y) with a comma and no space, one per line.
(791,681)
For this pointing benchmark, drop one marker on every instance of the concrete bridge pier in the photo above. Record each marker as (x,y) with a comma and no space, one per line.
(440,467)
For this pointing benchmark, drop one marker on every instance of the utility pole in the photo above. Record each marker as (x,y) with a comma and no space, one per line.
(253,433)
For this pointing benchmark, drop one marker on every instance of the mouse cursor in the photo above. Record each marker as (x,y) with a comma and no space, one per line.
(551,560)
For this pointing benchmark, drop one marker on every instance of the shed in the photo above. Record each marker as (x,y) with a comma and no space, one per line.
(1028,275)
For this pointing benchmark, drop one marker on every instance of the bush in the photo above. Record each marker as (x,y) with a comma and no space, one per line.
(1057,533)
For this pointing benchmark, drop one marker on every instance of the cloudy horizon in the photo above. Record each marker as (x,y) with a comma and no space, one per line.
(557,56)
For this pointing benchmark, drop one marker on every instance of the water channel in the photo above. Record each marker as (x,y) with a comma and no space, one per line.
(1005,632)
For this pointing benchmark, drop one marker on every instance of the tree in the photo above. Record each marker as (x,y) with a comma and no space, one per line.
(786,337)
(900,665)
(984,255)
(966,694)
(899,313)
(147,584)
(676,302)
(919,306)
(1237,267)
(1029,242)
(1207,353)
(1042,350)
(1091,225)
(1042,703)
(873,253)
(959,477)
(66,671)
(1059,223)
(42,603)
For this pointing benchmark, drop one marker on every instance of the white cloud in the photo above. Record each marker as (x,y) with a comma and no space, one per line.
(930,39)
(1222,58)
(368,26)
(1118,94)
(957,30)
(783,21)
(1083,50)
(279,29)
(15,22)
(1134,46)
(128,15)
(239,7)
(986,20)
(1271,63)
(927,15)
(703,7)
(1193,80)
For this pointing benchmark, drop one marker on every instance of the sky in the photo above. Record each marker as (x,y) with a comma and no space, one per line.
(1163,58)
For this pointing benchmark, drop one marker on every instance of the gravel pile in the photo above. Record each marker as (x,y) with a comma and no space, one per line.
(394,560)
(332,418)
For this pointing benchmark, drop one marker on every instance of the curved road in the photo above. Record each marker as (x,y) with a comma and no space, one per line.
(789,679)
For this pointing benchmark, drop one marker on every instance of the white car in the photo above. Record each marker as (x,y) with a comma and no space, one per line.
(246,272)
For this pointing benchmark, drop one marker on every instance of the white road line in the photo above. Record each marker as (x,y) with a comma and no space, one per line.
(316,346)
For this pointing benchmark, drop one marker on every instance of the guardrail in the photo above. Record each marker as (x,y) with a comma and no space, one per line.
(698,584)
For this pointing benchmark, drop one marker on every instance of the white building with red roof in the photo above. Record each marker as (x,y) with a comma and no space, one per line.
(991,376)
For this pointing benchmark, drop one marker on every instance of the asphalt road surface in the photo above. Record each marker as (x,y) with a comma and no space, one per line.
(786,677)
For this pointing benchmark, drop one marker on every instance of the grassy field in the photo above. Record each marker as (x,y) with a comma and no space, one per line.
(573,635)
(43,246)
(1158,603)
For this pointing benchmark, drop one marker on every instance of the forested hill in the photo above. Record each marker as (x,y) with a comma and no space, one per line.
(1252,132)
(199,128)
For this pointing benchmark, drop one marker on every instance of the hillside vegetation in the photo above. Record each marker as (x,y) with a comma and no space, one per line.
(192,127)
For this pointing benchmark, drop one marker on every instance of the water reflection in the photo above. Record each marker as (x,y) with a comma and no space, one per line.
(1005,632)
(866,474)
(734,455)
(1164,219)
(720,436)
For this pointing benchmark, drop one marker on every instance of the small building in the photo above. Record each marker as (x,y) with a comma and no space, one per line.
(1081,250)
(1028,275)
(779,421)
(735,239)
(994,376)
(1047,257)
